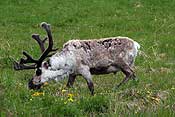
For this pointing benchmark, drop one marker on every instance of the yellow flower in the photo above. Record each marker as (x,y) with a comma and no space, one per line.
(70,100)
(63,90)
(70,95)
(46,83)
(37,94)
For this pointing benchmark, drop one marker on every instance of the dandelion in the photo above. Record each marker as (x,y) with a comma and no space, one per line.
(37,94)
(70,100)
(70,95)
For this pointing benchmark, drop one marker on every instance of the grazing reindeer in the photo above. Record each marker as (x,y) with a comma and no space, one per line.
(80,57)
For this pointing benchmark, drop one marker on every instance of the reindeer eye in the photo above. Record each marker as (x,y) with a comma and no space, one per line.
(38,72)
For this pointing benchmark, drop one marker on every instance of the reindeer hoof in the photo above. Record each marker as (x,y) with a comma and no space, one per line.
(135,79)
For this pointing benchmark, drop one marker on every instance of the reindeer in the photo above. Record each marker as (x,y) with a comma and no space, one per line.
(80,57)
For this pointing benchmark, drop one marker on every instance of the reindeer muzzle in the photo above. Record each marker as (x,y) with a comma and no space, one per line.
(34,86)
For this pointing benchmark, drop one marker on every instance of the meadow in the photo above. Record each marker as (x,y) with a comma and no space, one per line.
(149,22)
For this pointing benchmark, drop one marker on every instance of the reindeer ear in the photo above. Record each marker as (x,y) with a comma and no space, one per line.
(45,65)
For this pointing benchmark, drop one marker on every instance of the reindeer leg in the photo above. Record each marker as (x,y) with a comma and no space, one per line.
(134,77)
(84,71)
(71,81)
(128,74)
(131,65)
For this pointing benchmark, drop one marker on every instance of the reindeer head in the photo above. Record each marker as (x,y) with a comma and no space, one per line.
(38,64)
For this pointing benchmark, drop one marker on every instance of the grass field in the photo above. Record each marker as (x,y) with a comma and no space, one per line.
(150,22)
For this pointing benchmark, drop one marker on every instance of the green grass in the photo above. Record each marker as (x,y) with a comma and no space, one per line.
(149,22)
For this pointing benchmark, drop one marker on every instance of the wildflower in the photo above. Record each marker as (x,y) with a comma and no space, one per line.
(172,88)
(37,94)
(63,90)
(46,83)
(70,100)
(70,95)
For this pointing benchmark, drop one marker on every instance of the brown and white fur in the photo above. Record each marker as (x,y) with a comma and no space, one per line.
(87,57)
(81,57)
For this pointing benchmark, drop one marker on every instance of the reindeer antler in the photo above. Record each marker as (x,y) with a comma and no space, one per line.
(39,41)
(45,52)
